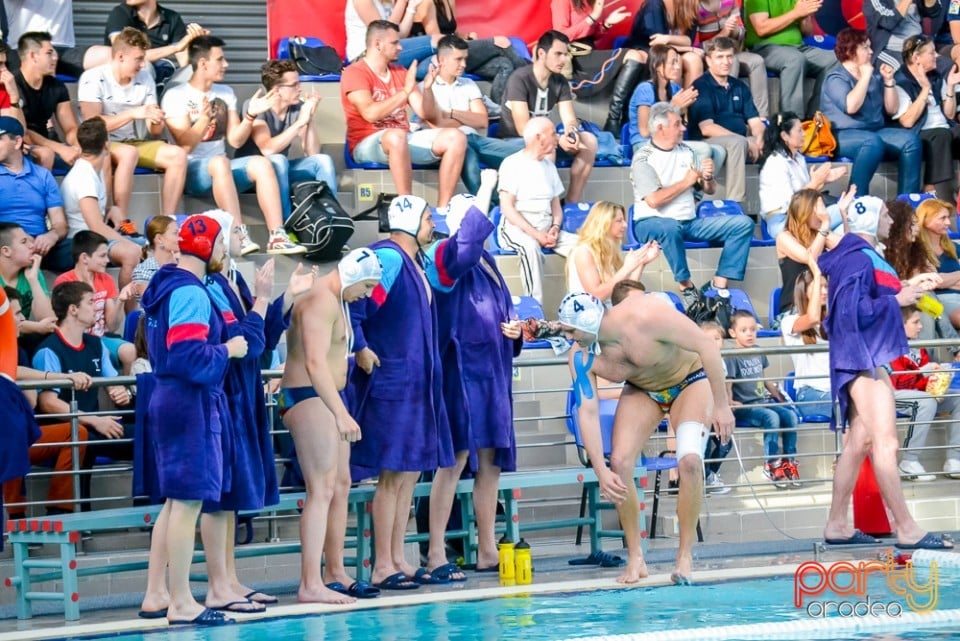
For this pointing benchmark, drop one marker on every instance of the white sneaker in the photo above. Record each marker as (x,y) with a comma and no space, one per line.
(280,243)
(913,471)
(952,468)
(247,246)
(714,485)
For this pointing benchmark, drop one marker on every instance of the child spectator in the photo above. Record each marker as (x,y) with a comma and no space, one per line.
(812,370)
(716,451)
(910,375)
(161,249)
(752,402)
(90,258)
(85,199)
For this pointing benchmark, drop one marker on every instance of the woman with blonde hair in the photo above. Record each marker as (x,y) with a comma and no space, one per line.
(596,263)
(933,219)
(162,248)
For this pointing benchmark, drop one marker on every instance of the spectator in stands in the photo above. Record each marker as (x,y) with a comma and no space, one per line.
(802,326)
(124,95)
(890,23)
(360,14)
(759,403)
(775,30)
(73,348)
(20,269)
(290,117)
(46,103)
(807,233)
(928,107)
(532,216)
(912,375)
(202,118)
(313,407)
(86,203)
(54,17)
(857,100)
(669,22)
(665,172)
(38,209)
(9,91)
(723,18)
(596,264)
(592,70)
(934,218)
(161,249)
(190,362)
(524,99)
(91,257)
(375,94)
(724,114)
(60,496)
(492,59)
(784,172)
(169,37)
(863,341)
(664,86)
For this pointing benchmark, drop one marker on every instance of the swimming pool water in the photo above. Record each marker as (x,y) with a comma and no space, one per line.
(548,617)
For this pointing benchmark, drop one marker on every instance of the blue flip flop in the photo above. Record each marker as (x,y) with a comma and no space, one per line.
(603,559)
(398,581)
(446,571)
(208,617)
(357,589)
(930,541)
(152,614)
(424,577)
(857,538)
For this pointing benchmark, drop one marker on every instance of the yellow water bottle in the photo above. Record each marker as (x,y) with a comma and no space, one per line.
(508,575)
(930,305)
(524,563)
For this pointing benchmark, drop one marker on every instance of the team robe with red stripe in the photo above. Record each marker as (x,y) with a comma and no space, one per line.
(185,335)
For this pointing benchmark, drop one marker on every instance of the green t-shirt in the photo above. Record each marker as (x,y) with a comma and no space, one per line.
(26,295)
(773,8)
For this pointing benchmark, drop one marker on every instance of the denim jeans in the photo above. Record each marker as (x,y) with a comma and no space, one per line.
(811,402)
(868,148)
(771,418)
(486,150)
(200,183)
(419,49)
(715,450)
(734,232)
(291,172)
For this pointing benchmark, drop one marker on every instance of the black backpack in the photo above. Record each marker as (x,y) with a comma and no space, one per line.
(318,221)
(716,308)
(314,61)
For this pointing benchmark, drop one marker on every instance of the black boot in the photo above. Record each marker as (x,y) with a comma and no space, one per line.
(627,80)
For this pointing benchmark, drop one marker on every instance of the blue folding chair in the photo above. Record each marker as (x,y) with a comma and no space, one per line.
(659,464)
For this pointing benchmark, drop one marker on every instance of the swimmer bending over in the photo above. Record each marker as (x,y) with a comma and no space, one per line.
(667,365)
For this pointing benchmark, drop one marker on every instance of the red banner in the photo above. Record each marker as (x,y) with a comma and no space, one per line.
(527,19)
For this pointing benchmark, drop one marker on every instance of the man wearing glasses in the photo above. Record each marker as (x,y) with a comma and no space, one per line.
(289,117)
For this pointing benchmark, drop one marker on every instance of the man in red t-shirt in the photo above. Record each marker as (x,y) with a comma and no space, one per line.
(375,95)
(9,93)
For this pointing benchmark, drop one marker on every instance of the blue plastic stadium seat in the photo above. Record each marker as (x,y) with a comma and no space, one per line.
(915,199)
(788,388)
(821,42)
(283,53)
(625,142)
(495,247)
(708,208)
(65,78)
(774,304)
(353,164)
(528,307)
(675,299)
(740,300)
(573,216)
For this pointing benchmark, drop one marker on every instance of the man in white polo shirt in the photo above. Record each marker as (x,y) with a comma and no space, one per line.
(665,173)
(124,94)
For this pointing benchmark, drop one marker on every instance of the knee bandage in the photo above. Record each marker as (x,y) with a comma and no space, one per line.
(691,439)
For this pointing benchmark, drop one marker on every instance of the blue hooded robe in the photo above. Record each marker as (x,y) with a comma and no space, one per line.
(477,358)
(254,474)
(185,336)
(863,317)
(399,407)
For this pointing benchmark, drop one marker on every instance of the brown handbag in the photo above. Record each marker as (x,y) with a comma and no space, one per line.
(818,138)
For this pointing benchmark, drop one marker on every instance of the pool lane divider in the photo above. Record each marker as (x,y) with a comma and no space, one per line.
(442,594)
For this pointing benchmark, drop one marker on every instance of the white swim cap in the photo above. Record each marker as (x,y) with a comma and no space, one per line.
(405,213)
(226,221)
(581,311)
(864,215)
(457,210)
(359,265)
